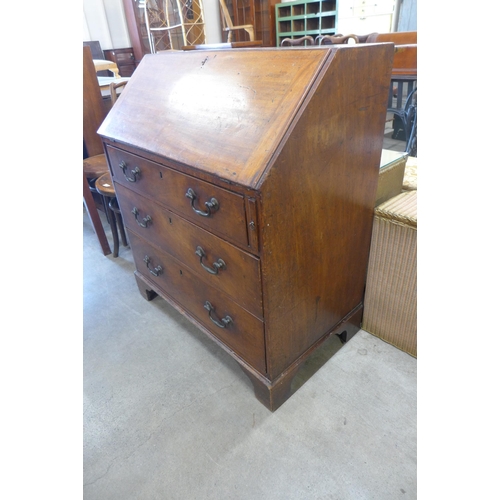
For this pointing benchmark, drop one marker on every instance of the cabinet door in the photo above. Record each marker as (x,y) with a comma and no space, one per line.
(241,12)
(264,23)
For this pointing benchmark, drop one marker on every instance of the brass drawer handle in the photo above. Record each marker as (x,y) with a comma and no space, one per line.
(155,271)
(212,205)
(145,222)
(135,172)
(219,264)
(223,323)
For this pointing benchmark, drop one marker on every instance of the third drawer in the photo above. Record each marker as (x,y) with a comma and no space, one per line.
(241,331)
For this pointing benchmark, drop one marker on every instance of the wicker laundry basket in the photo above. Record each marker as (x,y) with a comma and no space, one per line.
(410,174)
(390,310)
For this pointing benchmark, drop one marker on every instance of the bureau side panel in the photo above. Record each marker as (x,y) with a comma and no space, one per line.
(317,204)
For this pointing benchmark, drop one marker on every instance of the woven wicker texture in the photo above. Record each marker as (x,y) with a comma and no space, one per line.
(410,176)
(401,208)
(390,311)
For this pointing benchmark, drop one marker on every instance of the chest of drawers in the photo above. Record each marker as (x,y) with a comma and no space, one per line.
(124,59)
(247,181)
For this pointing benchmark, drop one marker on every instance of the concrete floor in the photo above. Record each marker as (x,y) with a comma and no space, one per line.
(168,415)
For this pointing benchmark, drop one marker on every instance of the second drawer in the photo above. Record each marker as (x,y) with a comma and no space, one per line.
(214,260)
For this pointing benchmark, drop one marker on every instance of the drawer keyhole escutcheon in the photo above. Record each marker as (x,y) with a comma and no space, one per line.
(212,205)
(154,271)
(135,172)
(145,221)
(219,264)
(223,323)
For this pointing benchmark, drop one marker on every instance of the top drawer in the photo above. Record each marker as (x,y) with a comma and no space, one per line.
(218,210)
(125,57)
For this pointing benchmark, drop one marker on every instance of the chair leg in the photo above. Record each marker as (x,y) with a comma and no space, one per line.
(112,222)
(113,205)
(94,217)
(121,228)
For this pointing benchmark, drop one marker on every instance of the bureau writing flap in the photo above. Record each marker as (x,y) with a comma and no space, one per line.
(221,111)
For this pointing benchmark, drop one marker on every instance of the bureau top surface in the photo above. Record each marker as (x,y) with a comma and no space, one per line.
(223,112)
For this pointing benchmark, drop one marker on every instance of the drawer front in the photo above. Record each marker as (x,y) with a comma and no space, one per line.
(125,57)
(369,24)
(216,209)
(384,6)
(215,261)
(365,10)
(239,330)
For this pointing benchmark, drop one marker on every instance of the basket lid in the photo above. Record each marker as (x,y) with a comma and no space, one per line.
(400,209)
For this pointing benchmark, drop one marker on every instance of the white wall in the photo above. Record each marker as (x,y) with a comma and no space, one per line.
(212,21)
(407,20)
(104,21)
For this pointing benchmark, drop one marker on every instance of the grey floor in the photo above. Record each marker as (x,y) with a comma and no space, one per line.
(168,415)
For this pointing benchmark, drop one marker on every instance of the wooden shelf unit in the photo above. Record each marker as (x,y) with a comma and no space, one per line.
(305,17)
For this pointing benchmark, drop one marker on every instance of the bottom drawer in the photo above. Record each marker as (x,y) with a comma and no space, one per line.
(239,330)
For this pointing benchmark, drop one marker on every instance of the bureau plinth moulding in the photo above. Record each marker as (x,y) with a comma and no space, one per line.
(247,181)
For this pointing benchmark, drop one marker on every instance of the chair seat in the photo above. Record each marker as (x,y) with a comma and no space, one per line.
(95,166)
(104,186)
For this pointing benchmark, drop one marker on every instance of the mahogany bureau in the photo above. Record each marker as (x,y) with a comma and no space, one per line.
(247,180)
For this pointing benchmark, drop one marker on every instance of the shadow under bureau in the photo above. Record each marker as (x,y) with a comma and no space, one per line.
(247,181)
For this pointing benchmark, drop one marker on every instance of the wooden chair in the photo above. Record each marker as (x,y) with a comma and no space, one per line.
(227,24)
(95,165)
(113,87)
(104,186)
(302,41)
(335,39)
(364,38)
(97,55)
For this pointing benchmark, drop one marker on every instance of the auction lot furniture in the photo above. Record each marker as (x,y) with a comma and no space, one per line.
(391,287)
(247,180)
(124,59)
(259,14)
(228,26)
(305,18)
